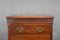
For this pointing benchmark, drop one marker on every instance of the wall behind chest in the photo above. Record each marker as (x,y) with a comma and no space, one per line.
(29,7)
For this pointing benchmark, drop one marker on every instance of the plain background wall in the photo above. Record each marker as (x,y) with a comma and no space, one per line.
(29,8)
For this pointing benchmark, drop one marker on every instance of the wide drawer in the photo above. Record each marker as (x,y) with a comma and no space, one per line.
(21,28)
(29,37)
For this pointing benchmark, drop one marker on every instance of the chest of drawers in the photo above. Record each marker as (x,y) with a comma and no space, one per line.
(30,27)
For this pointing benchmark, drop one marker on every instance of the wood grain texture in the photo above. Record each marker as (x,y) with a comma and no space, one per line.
(29,17)
(29,37)
(29,25)
(30,28)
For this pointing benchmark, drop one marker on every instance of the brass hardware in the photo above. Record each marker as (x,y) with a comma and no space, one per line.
(19,29)
(40,29)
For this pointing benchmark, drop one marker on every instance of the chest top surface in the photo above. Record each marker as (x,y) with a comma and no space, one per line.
(29,17)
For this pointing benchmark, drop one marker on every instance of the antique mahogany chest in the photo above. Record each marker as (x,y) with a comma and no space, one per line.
(30,27)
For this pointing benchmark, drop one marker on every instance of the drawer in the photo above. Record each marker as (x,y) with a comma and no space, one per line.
(23,28)
(29,37)
(44,20)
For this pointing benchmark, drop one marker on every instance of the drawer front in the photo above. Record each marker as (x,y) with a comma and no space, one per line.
(29,28)
(48,20)
(29,37)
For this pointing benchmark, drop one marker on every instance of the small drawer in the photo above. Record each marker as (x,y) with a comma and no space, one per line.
(29,28)
(44,20)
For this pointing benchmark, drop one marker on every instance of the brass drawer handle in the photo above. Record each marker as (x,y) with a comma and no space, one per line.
(40,29)
(19,29)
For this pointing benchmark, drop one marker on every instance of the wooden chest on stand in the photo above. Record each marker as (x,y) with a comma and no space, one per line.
(30,27)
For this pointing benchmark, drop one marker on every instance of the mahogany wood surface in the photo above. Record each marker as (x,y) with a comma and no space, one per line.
(25,27)
(29,17)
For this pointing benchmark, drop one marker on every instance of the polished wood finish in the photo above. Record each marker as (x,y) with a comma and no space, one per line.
(29,17)
(30,27)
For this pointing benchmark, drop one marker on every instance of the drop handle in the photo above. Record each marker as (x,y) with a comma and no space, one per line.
(40,29)
(19,29)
